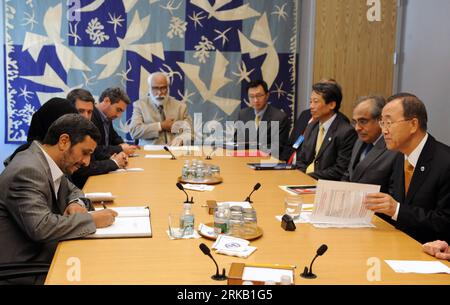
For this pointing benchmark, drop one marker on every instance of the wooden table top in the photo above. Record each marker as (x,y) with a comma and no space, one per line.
(159,260)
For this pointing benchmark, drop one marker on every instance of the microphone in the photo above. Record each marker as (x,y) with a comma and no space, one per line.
(217,276)
(309,274)
(168,150)
(255,188)
(181,188)
(208,157)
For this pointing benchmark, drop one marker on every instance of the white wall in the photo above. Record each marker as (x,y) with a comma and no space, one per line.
(425,65)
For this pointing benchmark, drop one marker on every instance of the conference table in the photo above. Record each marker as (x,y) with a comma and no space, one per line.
(352,256)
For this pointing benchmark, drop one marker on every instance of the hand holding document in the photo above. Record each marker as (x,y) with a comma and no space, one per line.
(340,205)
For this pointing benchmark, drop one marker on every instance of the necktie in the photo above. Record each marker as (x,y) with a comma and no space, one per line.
(257,121)
(163,118)
(366,151)
(319,141)
(409,171)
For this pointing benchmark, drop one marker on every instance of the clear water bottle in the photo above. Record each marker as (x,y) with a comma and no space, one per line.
(185,173)
(220,221)
(187,220)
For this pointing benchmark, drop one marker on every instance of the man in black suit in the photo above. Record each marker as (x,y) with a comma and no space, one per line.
(113,102)
(84,102)
(296,138)
(420,201)
(260,121)
(326,151)
(371,161)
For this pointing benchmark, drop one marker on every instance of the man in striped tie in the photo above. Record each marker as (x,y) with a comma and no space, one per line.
(419,203)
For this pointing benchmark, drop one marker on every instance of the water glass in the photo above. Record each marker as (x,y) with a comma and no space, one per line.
(293,206)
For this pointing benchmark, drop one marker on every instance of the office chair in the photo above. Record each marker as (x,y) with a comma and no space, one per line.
(19,270)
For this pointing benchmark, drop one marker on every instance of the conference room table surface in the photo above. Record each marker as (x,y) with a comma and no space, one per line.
(352,258)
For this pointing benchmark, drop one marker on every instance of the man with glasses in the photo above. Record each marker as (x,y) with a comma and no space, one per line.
(371,161)
(160,119)
(260,118)
(420,201)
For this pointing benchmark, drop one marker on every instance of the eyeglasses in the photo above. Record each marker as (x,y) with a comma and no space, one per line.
(388,124)
(160,89)
(361,122)
(256,96)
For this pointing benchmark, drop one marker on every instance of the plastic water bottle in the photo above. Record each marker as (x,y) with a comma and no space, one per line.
(185,173)
(220,221)
(187,220)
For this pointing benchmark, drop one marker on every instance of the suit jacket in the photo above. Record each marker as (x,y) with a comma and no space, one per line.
(425,212)
(299,128)
(95,167)
(146,118)
(375,168)
(105,150)
(334,155)
(31,218)
(272,114)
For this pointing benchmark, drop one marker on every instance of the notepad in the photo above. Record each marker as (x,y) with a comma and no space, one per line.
(131,222)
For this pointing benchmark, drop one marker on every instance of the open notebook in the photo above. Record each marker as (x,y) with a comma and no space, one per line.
(131,222)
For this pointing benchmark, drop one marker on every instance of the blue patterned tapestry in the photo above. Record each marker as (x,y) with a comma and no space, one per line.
(211,49)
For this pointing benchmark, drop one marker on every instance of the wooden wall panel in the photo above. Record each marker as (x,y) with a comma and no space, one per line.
(352,50)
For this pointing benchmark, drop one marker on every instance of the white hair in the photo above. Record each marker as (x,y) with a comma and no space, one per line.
(150,77)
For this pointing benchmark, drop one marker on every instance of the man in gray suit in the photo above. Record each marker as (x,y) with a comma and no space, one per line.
(39,206)
(160,119)
(371,162)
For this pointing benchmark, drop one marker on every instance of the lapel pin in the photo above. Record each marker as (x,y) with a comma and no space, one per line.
(422,169)
(329,139)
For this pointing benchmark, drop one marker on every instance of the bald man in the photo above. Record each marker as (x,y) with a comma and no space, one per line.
(160,119)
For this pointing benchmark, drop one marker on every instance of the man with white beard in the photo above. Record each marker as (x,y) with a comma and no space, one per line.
(160,119)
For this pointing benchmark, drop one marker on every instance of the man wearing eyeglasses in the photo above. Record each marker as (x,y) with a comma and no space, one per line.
(420,201)
(371,161)
(260,120)
(160,119)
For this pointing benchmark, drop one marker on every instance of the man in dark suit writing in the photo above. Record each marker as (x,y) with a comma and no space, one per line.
(420,201)
(39,206)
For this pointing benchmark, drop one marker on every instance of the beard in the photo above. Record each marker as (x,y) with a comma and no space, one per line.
(158,99)
(68,163)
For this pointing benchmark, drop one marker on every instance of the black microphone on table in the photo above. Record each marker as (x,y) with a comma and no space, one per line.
(208,157)
(308,274)
(255,188)
(168,150)
(181,188)
(217,276)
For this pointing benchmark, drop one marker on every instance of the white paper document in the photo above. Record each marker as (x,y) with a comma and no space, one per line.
(340,205)
(96,197)
(423,267)
(233,246)
(198,187)
(127,170)
(305,217)
(130,222)
(158,156)
(266,274)
(153,147)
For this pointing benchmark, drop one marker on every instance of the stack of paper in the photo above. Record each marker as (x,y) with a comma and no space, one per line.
(198,187)
(127,170)
(158,156)
(233,246)
(97,197)
(422,267)
(130,222)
